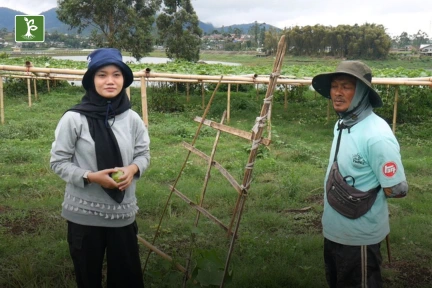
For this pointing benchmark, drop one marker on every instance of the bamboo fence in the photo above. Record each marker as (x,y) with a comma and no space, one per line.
(145,77)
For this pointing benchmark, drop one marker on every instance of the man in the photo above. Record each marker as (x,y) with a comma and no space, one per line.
(365,160)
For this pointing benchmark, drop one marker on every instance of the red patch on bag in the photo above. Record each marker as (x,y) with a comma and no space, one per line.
(389,169)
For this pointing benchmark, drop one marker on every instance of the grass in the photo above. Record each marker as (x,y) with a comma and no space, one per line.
(279,245)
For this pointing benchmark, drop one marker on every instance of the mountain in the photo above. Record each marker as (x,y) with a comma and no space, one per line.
(7,18)
(52,23)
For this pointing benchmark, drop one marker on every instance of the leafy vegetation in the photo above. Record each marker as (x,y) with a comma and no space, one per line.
(280,241)
(118,24)
(178,30)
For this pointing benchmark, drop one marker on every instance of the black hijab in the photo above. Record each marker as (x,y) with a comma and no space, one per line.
(98,110)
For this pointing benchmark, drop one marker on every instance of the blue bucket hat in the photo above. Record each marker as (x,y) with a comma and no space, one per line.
(103,57)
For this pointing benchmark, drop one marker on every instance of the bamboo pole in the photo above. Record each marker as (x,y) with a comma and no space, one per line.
(1,101)
(187,92)
(229,103)
(29,92)
(202,95)
(144,101)
(128,92)
(395,109)
(35,89)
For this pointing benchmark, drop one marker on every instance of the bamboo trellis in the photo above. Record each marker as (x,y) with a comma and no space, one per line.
(146,76)
(256,138)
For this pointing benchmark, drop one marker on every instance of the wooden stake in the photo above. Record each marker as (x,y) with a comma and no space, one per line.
(29,92)
(35,89)
(128,92)
(144,101)
(187,92)
(202,95)
(395,109)
(1,101)
(228,103)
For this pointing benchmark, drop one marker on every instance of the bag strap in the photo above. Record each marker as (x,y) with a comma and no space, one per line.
(341,126)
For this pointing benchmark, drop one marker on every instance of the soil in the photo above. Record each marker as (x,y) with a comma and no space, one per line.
(24,225)
(407,274)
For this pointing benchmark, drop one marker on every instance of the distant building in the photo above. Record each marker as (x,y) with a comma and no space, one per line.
(426,49)
(406,48)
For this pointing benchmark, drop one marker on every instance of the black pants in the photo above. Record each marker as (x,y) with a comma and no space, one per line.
(352,266)
(87,245)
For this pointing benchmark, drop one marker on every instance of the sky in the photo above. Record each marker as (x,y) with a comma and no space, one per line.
(396,16)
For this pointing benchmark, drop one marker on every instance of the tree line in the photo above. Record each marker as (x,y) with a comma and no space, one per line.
(129,25)
(367,41)
(137,25)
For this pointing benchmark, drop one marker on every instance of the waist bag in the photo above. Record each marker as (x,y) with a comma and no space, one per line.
(344,198)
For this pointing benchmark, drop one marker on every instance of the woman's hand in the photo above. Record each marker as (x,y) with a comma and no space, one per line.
(104,179)
(128,173)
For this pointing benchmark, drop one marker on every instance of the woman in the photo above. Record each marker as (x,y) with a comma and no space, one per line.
(94,139)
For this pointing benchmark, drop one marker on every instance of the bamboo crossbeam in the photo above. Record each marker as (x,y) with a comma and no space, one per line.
(161,253)
(234,131)
(199,208)
(396,81)
(217,165)
(43,70)
(245,79)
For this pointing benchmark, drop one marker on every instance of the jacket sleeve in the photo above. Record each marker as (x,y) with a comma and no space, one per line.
(63,149)
(141,155)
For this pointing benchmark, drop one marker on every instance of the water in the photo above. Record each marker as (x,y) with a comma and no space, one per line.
(148,60)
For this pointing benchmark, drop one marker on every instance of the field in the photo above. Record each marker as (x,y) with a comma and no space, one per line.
(280,241)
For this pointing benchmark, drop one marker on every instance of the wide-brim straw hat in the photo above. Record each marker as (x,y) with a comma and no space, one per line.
(103,57)
(322,82)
